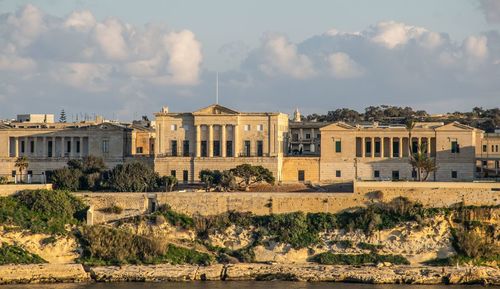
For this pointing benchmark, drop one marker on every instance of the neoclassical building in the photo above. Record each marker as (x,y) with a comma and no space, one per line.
(218,138)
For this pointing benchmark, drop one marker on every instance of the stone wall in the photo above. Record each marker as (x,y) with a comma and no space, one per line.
(7,190)
(292,165)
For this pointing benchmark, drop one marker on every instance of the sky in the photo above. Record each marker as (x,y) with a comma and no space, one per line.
(124,59)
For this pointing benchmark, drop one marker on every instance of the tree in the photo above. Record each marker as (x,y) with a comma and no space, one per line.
(170,182)
(133,177)
(66,179)
(249,175)
(207,177)
(21,164)
(220,181)
(410,125)
(62,117)
(91,169)
(423,164)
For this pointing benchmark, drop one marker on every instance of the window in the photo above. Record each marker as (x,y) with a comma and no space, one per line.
(30,173)
(377,147)
(414,146)
(138,150)
(173,127)
(32,147)
(173,148)
(186,127)
(216,148)
(318,135)
(395,175)
(395,149)
(497,164)
(78,146)
(68,146)
(22,146)
(454,174)
(368,147)
(260,127)
(173,173)
(247,148)
(496,148)
(455,147)
(229,148)
(185,176)
(14,174)
(204,152)
(295,137)
(376,174)
(485,148)
(260,148)
(308,136)
(485,163)
(338,173)
(338,146)
(105,146)
(49,149)
(301,176)
(185,148)
(414,174)
(247,127)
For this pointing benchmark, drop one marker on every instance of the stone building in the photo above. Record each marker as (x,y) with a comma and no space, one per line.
(488,156)
(218,138)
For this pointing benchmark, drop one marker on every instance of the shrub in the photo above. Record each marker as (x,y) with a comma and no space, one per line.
(473,245)
(10,254)
(133,177)
(249,175)
(174,218)
(329,258)
(42,211)
(114,209)
(371,247)
(169,182)
(3,180)
(66,179)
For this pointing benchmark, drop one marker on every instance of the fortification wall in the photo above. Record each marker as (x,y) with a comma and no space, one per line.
(10,189)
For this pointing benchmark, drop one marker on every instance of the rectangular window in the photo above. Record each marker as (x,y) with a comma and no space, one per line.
(301,176)
(414,146)
(22,146)
(204,151)
(496,148)
(247,127)
(185,176)
(376,174)
(455,147)
(395,175)
(377,147)
(247,148)
(395,149)
(49,148)
(14,174)
(229,148)
(308,136)
(173,173)
(485,163)
(105,146)
(338,146)
(78,146)
(318,136)
(173,147)
(260,148)
(68,146)
(454,174)
(368,147)
(32,147)
(260,127)
(338,173)
(485,148)
(295,137)
(173,127)
(216,148)
(138,150)
(497,164)
(185,148)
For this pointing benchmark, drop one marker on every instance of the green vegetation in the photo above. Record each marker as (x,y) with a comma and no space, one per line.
(3,180)
(85,174)
(371,247)
(240,177)
(330,258)
(21,164)
(113,209)
(108,246)
(174,218)
(42,211)
(10,254)
(247,175)
(169,182)
(133,177)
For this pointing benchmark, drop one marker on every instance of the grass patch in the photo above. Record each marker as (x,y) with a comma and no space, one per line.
(330,258)
(114,209)
(371,247)
(42,211)
(10,254)
(176,219)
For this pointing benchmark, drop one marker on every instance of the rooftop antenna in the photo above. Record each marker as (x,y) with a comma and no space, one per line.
(217,89)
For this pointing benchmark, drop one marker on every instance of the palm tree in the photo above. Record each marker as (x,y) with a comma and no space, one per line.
(410,124)
(21,164)
(424,164)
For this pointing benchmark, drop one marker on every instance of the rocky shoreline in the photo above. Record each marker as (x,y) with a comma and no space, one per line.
(52,273)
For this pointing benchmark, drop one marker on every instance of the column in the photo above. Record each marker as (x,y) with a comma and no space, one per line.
(73,147)
(236,140)
(400,147)
(301,134)
(363,147)
(373,147)
(80,153)
(53,146)
(16,147)
(210,142)
(26,146)
(198,141)
(35,146)
(223,140)
(428,146)
(391,147)
(419,144)
(382,140)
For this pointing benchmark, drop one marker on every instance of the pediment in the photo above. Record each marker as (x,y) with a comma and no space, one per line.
(215,109)
(338,126)
(455,126)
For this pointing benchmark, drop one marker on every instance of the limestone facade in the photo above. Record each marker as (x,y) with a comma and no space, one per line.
(218,138)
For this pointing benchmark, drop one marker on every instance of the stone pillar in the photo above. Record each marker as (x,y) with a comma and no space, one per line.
(373,147)
(198,141)
(236,140)
(429,146)
(223,140)
(363,147)
(16,147)
(301,134)
(53,146)
(401,147)
(72,153)
(391,147)
(382,140)
(35,146)
(419,140)
(210,141)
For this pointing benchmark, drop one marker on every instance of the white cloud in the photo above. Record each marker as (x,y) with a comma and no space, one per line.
(282,57)
(109,35)
(491,10)
(16,64)
(185,57)
(85,76)
(342,66)
(393,34)
(82,20)
(476,47)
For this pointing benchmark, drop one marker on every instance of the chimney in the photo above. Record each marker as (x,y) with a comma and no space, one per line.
(164,109)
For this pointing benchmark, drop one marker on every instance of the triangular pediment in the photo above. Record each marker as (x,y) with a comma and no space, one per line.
(215,109)
(338,126)
(455,126)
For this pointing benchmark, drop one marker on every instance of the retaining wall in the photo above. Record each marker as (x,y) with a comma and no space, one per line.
(10,189)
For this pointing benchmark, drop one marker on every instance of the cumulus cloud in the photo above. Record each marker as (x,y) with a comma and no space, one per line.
(342,66)
(491,10)
(476,47)
(393,34)
(281,56)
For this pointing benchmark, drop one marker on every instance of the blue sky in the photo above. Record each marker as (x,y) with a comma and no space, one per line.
(131,57)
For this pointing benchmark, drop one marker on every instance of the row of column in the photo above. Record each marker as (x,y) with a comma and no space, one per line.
(223,140)
(45,146)
(391,146)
